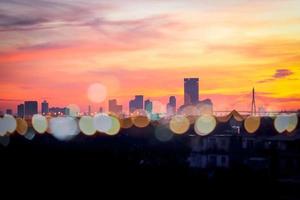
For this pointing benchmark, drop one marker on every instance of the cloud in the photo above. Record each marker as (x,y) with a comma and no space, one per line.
(44,14)
(279,74)
(282,73)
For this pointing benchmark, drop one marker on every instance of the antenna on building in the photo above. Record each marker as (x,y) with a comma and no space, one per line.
(253,105)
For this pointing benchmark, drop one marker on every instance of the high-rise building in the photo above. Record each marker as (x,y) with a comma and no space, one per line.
(114,107)
(136,103)
(191,91)
(45,107)
(31,108)
(20,110)
(148,106)
(9,111)
(171,106)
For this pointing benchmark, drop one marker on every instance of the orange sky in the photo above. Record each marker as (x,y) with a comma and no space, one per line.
(55,51)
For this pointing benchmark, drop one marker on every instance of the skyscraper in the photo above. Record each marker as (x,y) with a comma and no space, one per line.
(191,91)
(20,110)
(114,107)
(148,106)
(31,108)
(136,103)
(171,106)
(45,107)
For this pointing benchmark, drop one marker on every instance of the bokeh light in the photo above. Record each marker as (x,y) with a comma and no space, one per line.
(115,128)
(22,126)
(39,123)
(30,134)
(158,107)
(252,124)
(179,124)
(8,124)
(64,128)
(126,122)
(293,122)
(141,121)
(3,129)
(205,124)
(163,133)
(102,122)
(140,118)
(286,122)
(97,92)
(73,110)
(281,123)
(86,125)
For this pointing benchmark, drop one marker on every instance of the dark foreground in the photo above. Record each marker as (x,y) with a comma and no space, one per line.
(135,162)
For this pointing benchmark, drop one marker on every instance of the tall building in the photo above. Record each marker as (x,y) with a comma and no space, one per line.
(31,108)
(45,107)
(136,103)
(148,106)
(171,106)
(20,110)
(191,91)
(114,107)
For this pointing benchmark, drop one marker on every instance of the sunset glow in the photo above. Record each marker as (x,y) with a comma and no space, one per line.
(57,50)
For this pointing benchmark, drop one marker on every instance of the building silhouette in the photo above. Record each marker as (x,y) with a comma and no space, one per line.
(45,107)
(58,111)
(31,108)
(148,106)
(114,107)
(171,106)
(191,91)
(20,110)
(9,111)
(136,103)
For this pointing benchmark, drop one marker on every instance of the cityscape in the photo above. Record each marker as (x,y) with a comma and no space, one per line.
(151,97)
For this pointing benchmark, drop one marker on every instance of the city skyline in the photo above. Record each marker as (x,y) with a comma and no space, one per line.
(232,46)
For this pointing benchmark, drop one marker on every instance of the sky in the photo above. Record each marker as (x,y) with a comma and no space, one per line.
(55,50)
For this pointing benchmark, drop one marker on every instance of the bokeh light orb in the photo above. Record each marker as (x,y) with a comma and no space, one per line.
(64,128)
(141,121)
(158,107)
(292,122)
(73,110)
(252,124)
(10,123)
(163,134)
(97,92)
(86,125)
(3,129)
(22,126)
(179,124)
(39,123)
(116,126)
(140,118)
(102,122)
(30,134)
(281,123)
(205,124)
(126,122)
